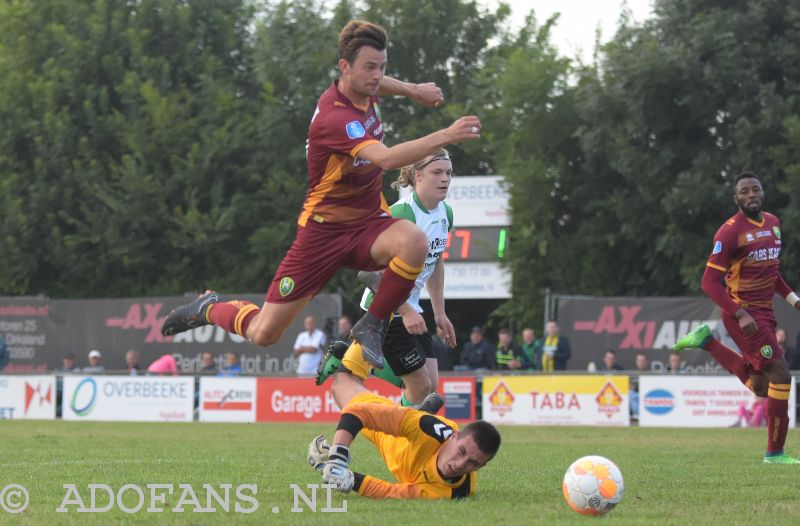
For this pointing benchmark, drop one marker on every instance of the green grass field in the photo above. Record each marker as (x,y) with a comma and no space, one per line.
(671,476)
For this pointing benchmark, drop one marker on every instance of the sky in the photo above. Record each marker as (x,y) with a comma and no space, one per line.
(574,33)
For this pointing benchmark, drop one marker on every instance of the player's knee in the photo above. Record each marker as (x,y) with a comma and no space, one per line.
(415,248)
(264,338)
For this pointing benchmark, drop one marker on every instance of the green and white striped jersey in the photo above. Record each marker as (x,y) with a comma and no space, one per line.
(436,224)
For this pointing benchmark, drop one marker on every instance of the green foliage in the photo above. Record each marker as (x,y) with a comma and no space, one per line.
(156,147)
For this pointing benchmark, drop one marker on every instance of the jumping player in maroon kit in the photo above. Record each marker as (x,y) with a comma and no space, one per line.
(345,221)
(746,254)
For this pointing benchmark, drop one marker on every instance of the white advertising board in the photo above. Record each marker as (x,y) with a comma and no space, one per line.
(696,401)
(129,398)
(32,397)
(474,281)
(227,399)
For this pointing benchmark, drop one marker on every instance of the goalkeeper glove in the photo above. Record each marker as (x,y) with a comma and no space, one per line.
(318,451)
(336,469)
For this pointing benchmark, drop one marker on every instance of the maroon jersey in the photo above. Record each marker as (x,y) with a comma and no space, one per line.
(748,252)
(341,187)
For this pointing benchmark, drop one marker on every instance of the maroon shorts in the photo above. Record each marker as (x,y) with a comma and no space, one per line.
(760,348)
(319,250)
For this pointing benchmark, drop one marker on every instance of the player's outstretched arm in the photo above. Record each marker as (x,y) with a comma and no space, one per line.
(403,154)
(785,291)
(427,94)
(369,486)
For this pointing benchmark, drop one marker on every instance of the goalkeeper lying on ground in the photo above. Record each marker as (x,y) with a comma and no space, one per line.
(427,454)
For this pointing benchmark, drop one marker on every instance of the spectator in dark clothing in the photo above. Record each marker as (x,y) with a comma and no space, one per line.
(445,355)
(610,364)
(530,358)
(477,352)
(508,355)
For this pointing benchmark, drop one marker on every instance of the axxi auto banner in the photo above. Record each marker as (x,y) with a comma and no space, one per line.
(557,400)
(27,397)
(301,400)
(696,401)
(650,325)
(129,398)
(41,331)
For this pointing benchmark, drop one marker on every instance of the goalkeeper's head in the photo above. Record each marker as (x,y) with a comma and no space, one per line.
(469,449)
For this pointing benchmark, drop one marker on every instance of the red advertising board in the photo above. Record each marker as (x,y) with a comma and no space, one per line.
(300,400)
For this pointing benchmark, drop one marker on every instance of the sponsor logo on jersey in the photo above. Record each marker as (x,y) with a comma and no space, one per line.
(717,248)
(377,110)
(764,254)
(444,225)
(777,232)
(355,130)
(749,237)
(286,286)
(766,352)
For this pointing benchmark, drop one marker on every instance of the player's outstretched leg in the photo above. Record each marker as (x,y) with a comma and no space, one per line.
(695,339)
(189,316)
(332,361)
(702,338)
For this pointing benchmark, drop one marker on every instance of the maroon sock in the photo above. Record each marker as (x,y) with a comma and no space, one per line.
(729,359)
(777,416)
(396,283)
(233,316)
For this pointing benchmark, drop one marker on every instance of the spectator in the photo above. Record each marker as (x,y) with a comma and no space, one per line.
(675,363)
(530,358)
(642,362)
(164,366)
(94,366)
(610,364)
(445,356)
(344,328)
(308,348)
(790,353)
(68,365)
(132,362)
(756,416)
(508,355)
(232,367)
(209,366)
(642,366)
(555,349)
(5,354)
(477,352)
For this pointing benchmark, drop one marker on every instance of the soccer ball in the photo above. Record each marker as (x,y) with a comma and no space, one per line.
(592,485)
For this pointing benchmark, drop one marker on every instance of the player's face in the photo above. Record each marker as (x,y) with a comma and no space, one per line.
(433,181)
(749,196)
(364,74)
(460,457)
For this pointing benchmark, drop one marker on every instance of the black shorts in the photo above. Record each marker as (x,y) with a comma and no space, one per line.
(406,352)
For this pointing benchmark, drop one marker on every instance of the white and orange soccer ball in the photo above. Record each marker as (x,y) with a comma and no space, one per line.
(592,485)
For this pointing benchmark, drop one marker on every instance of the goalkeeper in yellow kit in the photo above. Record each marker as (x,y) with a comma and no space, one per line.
(427,454)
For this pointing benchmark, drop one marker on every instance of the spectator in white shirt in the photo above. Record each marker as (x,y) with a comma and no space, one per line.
(308,348)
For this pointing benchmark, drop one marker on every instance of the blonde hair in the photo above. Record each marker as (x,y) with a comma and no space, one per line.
(406,177)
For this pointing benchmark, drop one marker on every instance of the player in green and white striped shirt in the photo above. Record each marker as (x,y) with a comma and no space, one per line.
(408,346)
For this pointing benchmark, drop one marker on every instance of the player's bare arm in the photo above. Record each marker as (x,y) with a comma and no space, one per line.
(427,94)
(390,158)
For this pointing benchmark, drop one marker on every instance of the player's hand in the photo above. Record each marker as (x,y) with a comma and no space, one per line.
(318,451)
(414,322)
(746,322)
(448,330)
(429,95)
(464,129)
(337,473)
